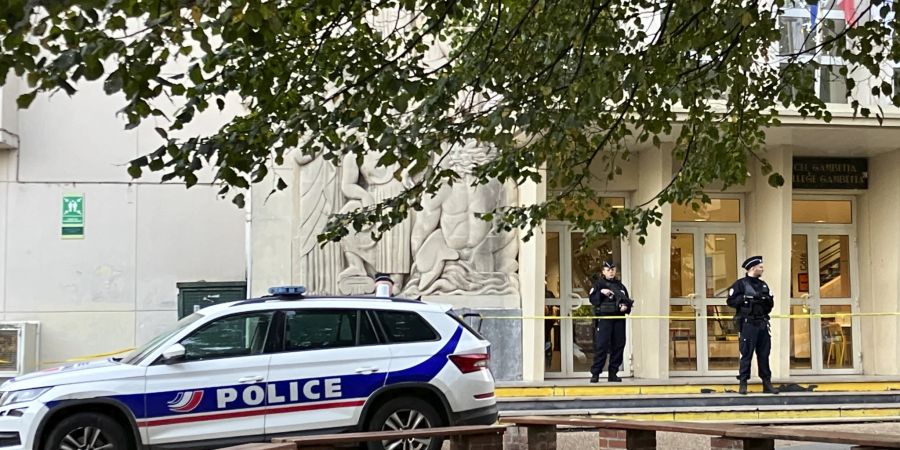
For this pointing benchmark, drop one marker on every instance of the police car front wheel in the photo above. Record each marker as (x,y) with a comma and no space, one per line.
(87,431)
(405,414)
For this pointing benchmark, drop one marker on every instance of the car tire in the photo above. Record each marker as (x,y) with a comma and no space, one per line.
(406,413)
(88,431)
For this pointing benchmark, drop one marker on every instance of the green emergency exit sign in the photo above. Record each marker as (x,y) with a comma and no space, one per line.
(73,216)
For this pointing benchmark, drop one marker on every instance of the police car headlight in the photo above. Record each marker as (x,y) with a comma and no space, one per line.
(23,396)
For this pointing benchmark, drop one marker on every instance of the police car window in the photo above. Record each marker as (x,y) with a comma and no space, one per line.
(138,355)
(313,329)
(240,335)
(404,326)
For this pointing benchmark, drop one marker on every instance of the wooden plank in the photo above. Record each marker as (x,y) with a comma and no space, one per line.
(724,430)
(347,438)
(269,446)
(616,424)
(823,436)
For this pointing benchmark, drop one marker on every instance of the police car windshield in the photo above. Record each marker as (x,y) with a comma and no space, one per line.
(138,354)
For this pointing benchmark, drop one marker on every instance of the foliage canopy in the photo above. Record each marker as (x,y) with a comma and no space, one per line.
(569,86)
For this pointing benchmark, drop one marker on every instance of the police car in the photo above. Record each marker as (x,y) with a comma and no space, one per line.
(252,370)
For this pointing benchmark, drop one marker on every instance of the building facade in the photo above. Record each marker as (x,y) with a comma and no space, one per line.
(829,238)
(113,287)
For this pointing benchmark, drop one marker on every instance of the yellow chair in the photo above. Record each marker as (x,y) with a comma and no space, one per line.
(833,335)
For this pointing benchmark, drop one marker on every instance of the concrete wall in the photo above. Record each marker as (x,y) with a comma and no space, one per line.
(650,271)
(768,228)
(879,260)
(116,287)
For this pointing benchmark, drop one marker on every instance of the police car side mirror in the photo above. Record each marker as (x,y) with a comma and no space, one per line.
(173,354)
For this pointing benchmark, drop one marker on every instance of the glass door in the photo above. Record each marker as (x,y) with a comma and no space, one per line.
(704,264)
(823,285)
(570,270)
(825,338)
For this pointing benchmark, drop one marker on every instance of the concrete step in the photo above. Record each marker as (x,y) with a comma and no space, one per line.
(759,414)
(811,399)
(873,402)
(580,388)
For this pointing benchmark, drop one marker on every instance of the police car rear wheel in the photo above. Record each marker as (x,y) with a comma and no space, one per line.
(405,414)
(87,431)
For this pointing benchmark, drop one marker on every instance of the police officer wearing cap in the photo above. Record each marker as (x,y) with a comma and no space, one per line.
(610,298)
(752,300)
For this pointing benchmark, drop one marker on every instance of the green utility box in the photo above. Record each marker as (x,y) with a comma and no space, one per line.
(196,295)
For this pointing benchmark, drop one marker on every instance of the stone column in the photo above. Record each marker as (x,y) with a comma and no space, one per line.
(650,270)
(271,219)
(768,228)
(879,260)
(532,268)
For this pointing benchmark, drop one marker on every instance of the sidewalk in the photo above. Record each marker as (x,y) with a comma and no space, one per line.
(588,440)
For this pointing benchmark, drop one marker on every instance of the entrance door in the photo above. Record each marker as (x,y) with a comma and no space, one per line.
(823,274)
(704,264)
(569,343)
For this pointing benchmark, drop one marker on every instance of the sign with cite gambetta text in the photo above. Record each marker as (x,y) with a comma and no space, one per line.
(830,173)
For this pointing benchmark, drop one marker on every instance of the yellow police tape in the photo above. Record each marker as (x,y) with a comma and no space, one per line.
(690,317)
(90,357)
(631,316)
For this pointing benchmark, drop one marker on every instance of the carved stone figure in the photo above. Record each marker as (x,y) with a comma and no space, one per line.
(365,185)
(455,252)
(319,196)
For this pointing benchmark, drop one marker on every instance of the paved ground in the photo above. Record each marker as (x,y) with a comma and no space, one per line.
(676,441)
(587,440)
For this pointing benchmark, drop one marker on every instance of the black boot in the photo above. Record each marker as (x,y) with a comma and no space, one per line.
(595,378)
(742,389)
(768,388)
(613,378)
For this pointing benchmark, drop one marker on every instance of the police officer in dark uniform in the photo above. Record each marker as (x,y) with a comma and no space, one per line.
(751,298)
(610,298)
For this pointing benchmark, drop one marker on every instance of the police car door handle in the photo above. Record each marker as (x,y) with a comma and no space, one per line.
(250,379)
(366,370)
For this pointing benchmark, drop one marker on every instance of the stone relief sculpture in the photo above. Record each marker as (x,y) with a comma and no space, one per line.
(365,185)
(318,197)
(442,250)
(454,252)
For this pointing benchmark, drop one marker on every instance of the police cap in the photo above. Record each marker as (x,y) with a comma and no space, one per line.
(751,261)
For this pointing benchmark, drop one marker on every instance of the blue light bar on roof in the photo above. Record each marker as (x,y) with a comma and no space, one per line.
(287,290)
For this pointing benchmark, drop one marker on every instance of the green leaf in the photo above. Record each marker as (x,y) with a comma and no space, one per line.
(134,171)
(24,100)
(113,83)
(776,180)
(93,69)
(238,200)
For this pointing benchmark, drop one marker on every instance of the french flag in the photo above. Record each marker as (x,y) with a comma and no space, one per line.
(849,7)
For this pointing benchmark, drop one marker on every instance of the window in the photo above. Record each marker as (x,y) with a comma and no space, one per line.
(403,326)
(822,211)
(795,36)
(141,352)
(717,210)
(598,210)
(896,90)
(801,39)
(240,335)
(326,328)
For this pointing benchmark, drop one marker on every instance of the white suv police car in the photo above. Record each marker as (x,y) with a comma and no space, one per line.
(252,370)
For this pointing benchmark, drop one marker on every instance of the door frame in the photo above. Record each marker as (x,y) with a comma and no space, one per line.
(813,231)
(568,302)
(699,301)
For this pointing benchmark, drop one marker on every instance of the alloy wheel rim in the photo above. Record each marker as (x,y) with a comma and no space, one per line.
(406,420)
(86,438)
